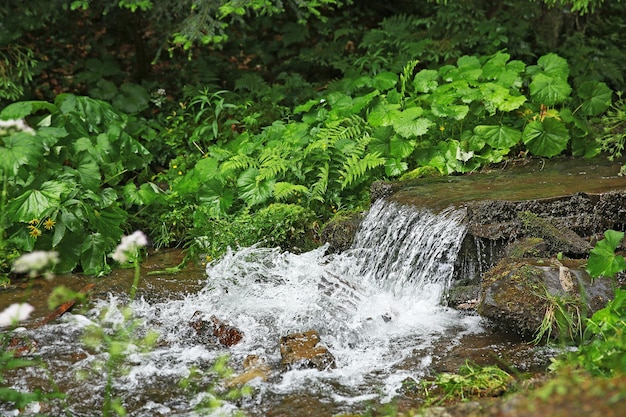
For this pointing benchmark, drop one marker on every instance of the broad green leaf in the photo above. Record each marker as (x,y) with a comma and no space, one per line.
(495,66)
(108,221)
(94,253)
(549,90)
(547,138)
(254,192)
(425,81)
(395,167)
(104,90)
(19,149)
(455,111)
(554,66)
(385,80)
(400,147)
(35,204)
(408,123)
(602,259)
(217,196)
(498,137)
(303,108)
(132,98)
(21,109)
(597,97)
(380,115)
(359,103)
(496,97)
(88,173)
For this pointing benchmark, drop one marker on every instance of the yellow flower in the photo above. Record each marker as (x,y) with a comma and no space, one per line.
(49,224)
(33,221)
(34,232)
(442,128)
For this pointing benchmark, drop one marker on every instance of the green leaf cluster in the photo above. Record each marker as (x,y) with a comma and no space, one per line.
(65,180)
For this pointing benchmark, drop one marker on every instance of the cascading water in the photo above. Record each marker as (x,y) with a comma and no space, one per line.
(376,307)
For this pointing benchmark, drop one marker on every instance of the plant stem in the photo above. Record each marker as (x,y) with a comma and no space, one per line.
(133,290)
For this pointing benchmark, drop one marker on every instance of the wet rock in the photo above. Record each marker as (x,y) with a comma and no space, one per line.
(254,367)
(382,189)
(302,350)
(215,328)
(557,239)
(517,294)
(339,233)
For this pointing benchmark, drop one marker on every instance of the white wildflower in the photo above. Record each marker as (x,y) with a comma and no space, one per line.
(129,245)
(15,313)
(17,124)
(35,262)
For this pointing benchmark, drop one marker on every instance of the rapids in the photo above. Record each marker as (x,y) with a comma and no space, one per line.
(376,306)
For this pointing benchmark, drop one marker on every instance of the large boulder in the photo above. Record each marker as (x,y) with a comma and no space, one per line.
(302,351)
(526,295)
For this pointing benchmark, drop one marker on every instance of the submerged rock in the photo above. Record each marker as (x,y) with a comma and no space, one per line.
(254,367)
(520,295)
(302,350)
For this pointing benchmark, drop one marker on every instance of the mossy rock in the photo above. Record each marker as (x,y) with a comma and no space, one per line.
(339,232)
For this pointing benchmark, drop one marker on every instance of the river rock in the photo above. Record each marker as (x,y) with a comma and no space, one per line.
(254,367)
(517,294)
(302,350)
(225,333)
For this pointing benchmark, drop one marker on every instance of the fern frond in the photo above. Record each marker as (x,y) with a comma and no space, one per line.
(237,163)
(355,168)
(318,190)
(283,191)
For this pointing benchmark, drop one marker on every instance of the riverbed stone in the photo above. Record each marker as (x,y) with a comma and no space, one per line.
(517,294)
(254,366)
(340,231)
(302,351)
(215,329)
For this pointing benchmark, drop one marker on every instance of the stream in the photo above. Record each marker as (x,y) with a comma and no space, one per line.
(376,307)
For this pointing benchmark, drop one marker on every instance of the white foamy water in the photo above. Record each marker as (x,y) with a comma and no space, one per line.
(377,309)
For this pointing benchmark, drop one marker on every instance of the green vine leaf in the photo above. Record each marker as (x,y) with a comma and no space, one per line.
(547,138)
(602,259)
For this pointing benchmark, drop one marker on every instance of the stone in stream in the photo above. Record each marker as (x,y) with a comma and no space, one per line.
(225,333)
(517,294)
(302,351)
(254,367)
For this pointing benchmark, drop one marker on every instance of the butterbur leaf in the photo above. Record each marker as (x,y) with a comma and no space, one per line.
(596,97)
(425,81)
(132,98)
(395,167)
(554,66)
(254,192)
(549,90)
(602,259)
(385,80)
(498,137)
(547,138)
(408,123)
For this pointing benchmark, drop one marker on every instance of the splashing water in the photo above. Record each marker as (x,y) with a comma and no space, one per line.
(376,306)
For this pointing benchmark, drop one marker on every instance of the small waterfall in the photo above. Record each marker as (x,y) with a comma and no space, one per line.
(376,306)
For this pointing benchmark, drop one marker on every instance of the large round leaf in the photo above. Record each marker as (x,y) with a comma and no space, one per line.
(408,123)
(549,90)
(597,97)
(547,138)
(498,137)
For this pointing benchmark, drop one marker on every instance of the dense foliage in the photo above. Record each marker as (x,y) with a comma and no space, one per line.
(216,124)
